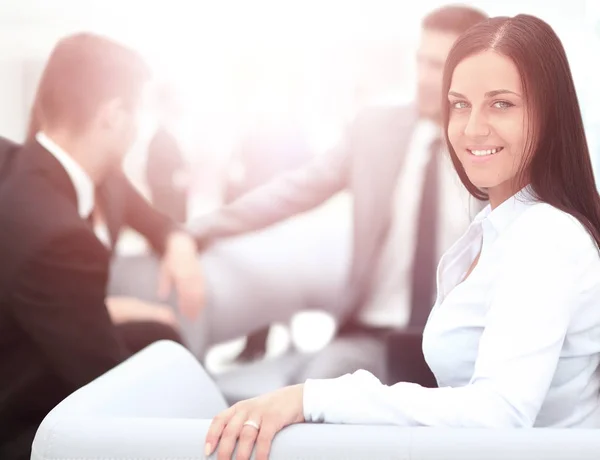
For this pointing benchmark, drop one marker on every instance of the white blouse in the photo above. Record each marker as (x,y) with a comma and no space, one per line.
(515,344)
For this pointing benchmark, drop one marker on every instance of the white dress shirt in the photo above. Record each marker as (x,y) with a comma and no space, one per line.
(82,183)
(515,344)
(389,303)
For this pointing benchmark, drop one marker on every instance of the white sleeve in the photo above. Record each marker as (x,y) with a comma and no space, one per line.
(526,325)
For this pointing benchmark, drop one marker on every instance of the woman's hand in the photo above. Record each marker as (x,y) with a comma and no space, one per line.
(255,421)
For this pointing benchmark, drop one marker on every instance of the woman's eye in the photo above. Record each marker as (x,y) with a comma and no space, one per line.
(458,105)
(503,105)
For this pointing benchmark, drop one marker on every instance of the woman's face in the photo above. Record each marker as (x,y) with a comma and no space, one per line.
(488,123)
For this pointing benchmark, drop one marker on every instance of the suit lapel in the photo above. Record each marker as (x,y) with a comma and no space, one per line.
(109,199)
(35,159)
(43,162)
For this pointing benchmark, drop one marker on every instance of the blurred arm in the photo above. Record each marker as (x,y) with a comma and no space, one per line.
(145,219)
(285,196)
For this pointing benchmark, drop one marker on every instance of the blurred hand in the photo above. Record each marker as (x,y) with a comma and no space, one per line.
(271,413)
(180,269)
(128,309)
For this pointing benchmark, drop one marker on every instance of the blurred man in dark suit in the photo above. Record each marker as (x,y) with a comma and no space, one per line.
(63,200)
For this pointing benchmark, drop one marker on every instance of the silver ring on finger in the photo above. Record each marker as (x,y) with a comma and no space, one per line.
(252,423)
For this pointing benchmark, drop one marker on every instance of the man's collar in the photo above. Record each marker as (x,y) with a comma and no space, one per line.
(82,183)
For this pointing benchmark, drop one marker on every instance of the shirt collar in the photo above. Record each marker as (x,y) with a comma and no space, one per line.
(495,221)
(82,183)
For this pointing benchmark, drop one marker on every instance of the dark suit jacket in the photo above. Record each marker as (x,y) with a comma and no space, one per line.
(367,162)
(55,331)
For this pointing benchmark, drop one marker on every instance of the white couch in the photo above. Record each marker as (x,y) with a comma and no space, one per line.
(158,405)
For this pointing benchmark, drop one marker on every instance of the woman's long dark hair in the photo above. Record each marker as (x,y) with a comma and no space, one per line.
(557,165)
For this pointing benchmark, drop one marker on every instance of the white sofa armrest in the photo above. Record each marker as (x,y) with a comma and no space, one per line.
(179,439)
(163,380)
(158,406)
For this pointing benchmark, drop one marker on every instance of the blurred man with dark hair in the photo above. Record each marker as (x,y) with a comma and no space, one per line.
(408,209)
(56,332)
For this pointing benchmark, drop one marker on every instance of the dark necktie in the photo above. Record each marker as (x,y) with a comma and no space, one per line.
(423,285)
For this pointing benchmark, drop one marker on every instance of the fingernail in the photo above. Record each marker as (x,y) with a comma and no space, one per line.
(207,449)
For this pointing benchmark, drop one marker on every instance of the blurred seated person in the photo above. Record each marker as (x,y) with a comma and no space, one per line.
(57,330)
(253,281)
(513,337)
(408,208)
(167,170)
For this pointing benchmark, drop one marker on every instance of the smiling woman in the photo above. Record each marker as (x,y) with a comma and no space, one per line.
(486,125)
(513,338)
(513,118)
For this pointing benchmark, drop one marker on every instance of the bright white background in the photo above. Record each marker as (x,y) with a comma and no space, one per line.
(314,50)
